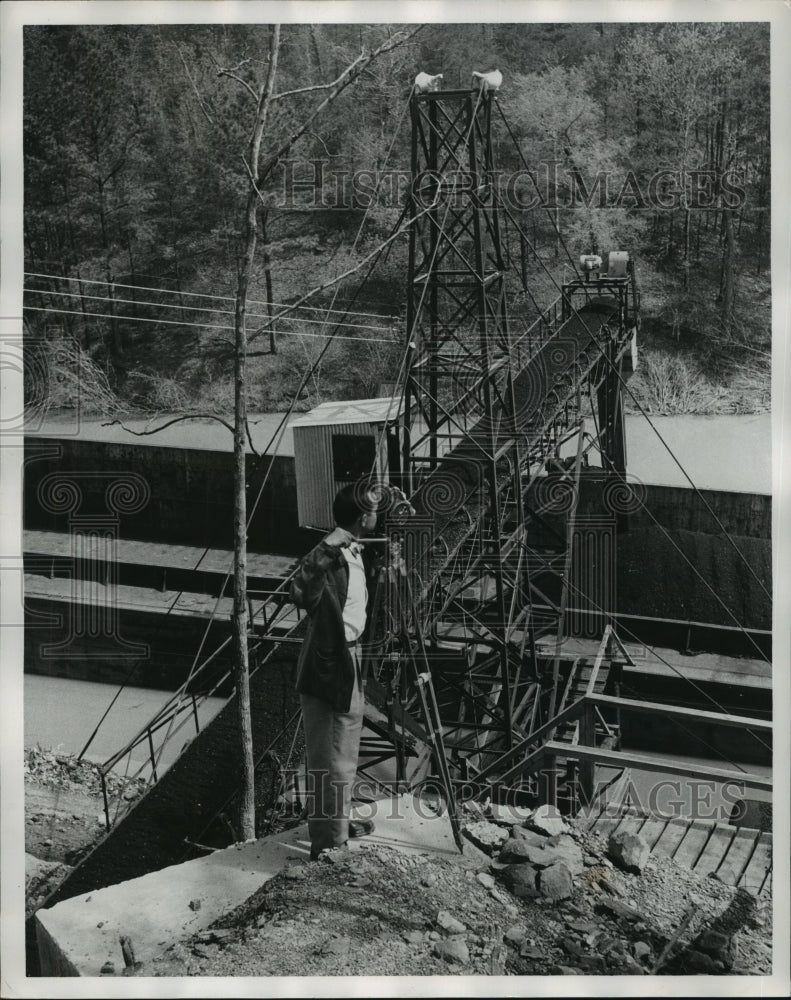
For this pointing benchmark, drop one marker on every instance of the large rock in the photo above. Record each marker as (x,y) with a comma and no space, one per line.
(515,851)
(338,946)
(453,950)
(618,909)
(532,836)
(521,880)
(699,963)
(487,836)
(542,854)
(720,947)
(555,882)
(497,961)
(449,923)
(546,819)
(628,850)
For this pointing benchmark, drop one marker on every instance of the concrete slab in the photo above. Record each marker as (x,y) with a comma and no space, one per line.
(79,935)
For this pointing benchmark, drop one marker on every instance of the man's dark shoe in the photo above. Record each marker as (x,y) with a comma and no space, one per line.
(361,828)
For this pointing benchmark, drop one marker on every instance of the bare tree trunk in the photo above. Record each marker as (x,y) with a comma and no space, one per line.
(315,49)
(728,295)
(257,175)
(240,611)
(268,281)
(117,345)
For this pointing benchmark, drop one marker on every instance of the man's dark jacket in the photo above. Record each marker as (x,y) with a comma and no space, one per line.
(325,667)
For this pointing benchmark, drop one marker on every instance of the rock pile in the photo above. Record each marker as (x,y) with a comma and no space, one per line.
(548,897)
(65,772)
(542,859)
(537,858)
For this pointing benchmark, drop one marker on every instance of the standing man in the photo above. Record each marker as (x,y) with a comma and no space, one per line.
(330,584)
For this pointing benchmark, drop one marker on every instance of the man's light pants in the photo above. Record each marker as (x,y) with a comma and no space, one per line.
(332,741)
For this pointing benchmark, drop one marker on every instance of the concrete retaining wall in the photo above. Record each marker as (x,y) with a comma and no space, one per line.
(191,498)
(181,806)
(173,640)
(748,515)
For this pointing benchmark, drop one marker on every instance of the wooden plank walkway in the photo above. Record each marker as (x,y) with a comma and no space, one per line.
(740,856)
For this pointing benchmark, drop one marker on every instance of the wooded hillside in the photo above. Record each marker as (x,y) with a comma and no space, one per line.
(136,181)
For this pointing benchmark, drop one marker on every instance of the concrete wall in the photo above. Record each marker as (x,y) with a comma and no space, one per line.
(748,515)
(172,641)
(182,805)
(191,498)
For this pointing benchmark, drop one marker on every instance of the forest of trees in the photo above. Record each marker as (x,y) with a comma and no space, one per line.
(136,181)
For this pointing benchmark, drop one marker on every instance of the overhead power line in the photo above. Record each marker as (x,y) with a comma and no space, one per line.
(205,326)
(192,309)
(198,295)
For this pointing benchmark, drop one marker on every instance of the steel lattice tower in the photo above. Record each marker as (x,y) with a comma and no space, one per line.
(462,451)
(487,401)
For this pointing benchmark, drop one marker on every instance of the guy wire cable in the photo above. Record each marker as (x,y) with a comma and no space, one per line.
(277,437)
(625,384)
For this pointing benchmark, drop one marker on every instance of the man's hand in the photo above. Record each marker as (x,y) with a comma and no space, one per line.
(339,538)
(396,559)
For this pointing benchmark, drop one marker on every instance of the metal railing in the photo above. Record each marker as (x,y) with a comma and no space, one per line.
(540,761)
(185,702)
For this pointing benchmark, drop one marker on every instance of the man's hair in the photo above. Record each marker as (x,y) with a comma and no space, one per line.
(350,502)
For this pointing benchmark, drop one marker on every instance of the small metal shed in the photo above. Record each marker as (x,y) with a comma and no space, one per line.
(337,443)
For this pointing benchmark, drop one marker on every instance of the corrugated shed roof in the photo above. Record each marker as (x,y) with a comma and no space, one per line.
(385,409)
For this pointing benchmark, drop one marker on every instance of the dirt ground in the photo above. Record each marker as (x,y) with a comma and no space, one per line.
(379,912)
(384,913)
(64,816)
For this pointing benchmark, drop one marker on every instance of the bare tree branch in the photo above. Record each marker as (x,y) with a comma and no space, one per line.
(176,420)
(321,86)
(252,181)
(244,83)
(334,281)
(346,78)
(192,84)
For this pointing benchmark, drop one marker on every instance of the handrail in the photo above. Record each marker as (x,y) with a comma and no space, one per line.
(654,708)
(598,661)
(578,708)
(161,716)
(615,758)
